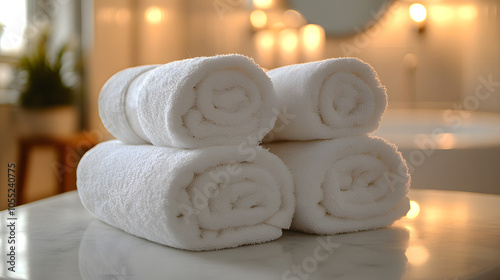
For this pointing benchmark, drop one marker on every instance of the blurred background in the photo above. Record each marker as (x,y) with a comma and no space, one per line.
(440,62)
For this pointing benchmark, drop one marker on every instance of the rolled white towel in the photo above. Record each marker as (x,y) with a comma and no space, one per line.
(201,199)
(198,102)
(327,99)
(347,184)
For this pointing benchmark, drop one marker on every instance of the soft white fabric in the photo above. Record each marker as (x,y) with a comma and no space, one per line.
(347,184)
(327,99)
(200,199)
(190,103)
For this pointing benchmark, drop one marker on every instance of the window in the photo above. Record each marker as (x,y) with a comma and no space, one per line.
(12,24)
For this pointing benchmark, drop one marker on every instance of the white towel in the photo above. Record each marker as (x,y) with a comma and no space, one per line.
(347,184)
(190,103)
(327,99)
(201,199)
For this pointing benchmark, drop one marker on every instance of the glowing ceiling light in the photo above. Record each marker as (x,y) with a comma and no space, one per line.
(154,15)
(418,12)
(262,4)
(414,210)
(265,40)
(312,35)
(467,12)
(258,19)
(288,40)
(442,13)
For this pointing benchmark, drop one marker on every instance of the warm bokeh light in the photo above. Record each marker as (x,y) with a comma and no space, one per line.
(418,12)
(446,141)
(435,214)
(313,36)
(288,40)
(265,40)
(293,19)
(154,15)
(417,255)
(441,13)
(414,210)
(467,12)
(262,4)
(258,19)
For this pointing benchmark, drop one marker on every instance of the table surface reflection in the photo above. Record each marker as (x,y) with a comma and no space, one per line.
(454,235)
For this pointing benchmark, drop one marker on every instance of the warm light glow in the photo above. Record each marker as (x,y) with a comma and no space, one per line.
(288,40)
(258,19)
(154,15)
(418,12)
(313,36)
(265,40)
(262,4)
(446,141)
(414,210)
(467,12)
(441,13)
(435,214)
(417,255)
(293,19)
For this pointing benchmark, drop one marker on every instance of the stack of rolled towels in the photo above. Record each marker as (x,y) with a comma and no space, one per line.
(344,180)
(186,170)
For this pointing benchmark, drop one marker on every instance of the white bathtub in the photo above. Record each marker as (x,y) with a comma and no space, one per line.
(451,150)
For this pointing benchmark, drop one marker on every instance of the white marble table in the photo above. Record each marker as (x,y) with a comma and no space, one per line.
(455,235)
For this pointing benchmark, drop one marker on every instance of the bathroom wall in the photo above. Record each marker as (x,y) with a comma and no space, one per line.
(108,47)
(130,33)
(483,57)
(436,68)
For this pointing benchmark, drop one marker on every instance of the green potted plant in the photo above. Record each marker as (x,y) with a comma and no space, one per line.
(46,102)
